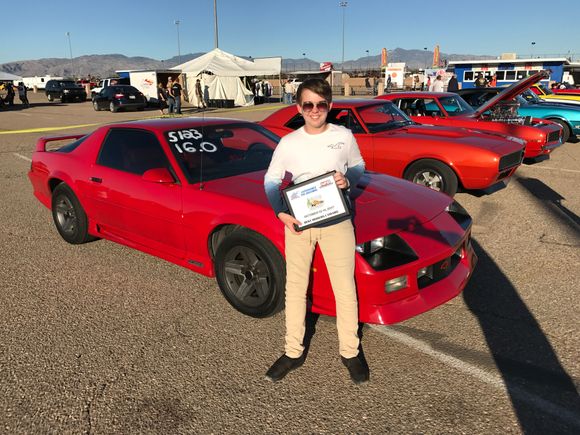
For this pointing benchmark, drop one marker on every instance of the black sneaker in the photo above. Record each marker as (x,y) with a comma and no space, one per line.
(359,372)
(283,366)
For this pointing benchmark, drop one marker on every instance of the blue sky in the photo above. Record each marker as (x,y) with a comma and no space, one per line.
(261,28)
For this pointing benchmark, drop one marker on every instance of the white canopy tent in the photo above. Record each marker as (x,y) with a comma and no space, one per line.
(5,77)
(220,73)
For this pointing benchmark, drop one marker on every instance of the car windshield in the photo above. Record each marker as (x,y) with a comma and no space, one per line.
(212,152)
(68,84)
(546,90)
(528,96)
(382,117)
(123,90)
(455,105)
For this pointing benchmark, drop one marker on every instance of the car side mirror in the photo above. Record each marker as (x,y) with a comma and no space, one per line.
(158,175)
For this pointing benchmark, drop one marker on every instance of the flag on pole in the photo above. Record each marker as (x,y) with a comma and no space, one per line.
(384,59)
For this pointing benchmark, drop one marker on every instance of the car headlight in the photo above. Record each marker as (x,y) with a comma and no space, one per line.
(387,252)
(66,91)
(459,214)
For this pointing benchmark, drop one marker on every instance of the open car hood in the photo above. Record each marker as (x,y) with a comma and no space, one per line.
(510,92)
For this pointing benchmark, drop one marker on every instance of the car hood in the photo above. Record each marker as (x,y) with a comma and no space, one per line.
(383,205)
(511,92)
(546,104)
(477,138)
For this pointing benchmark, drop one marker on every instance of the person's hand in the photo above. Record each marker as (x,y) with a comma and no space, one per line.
(289,221)
(340,180)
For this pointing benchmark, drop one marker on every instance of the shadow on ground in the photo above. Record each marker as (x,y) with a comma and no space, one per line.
(543,395)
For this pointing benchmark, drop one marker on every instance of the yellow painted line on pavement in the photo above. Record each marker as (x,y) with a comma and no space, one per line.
(207,114)
(43,129)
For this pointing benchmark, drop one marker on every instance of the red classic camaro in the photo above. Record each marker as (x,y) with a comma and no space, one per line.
(391,143)
(448,109)
(191,191)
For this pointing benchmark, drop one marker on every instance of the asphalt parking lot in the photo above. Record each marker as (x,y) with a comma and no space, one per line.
(100,338)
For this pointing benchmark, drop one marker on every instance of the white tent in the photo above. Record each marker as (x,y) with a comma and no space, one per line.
(220,74)
(4,77)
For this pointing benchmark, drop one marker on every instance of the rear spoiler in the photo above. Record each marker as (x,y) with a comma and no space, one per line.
(41,143)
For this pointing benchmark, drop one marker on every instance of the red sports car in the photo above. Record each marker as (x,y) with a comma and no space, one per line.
(448,109)
(391,143)
(191,191)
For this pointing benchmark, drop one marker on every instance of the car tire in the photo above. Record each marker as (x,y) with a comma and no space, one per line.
(565,129)
(49,97)
(69,216)
(433,174)
(96,106)
(112,107)
(62,99)
(251,273)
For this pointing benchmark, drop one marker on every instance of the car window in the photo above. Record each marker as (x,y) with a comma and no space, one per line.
(381,117)
(455,105)
(219,151)
(296,122)
(132,150)
(346,118)
(476,99)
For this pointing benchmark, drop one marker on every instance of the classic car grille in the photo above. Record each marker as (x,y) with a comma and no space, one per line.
(510,160)
(553,136)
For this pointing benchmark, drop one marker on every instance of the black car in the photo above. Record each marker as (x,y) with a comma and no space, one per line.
(64,90)
(119,97)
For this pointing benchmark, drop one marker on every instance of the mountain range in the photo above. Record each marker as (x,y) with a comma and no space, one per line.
(104,65)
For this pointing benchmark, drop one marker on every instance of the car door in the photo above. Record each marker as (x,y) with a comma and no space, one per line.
(102,98)
(127,206)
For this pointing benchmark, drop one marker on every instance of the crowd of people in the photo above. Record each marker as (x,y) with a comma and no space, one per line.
(169,95)
(10,92)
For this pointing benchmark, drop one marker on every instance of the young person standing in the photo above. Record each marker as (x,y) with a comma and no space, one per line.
(315,149)
(176,90)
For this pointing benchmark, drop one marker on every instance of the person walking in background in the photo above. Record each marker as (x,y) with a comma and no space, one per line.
(9,98)
(453,85)
(315,149)
(170,99)
(199,95)
(288,92)
(480,81)
(161,96)
(23,94)
(176,91)
(493,81)
(437,85)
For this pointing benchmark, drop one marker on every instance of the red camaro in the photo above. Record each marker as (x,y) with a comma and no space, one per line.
(391,143)
(191,191)
(448,109)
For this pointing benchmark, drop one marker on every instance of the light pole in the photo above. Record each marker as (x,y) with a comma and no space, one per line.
(70,51)
(533,43)
(425,48)
(343,5)
(178,43)
(215,23)
(367,52)
(304,59)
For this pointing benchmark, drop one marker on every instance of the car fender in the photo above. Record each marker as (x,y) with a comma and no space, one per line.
(559,118)
(265,227)
(439,159)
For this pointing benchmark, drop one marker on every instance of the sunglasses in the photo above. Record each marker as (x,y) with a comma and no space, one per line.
(308,106)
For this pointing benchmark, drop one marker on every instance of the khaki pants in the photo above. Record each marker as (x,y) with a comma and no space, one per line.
(337,244)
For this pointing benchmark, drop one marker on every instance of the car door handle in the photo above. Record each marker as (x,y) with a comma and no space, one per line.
(96,179)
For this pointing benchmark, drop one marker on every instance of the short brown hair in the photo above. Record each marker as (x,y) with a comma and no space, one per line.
(318,86)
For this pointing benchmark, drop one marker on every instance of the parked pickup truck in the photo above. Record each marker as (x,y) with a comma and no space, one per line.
(108,82)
